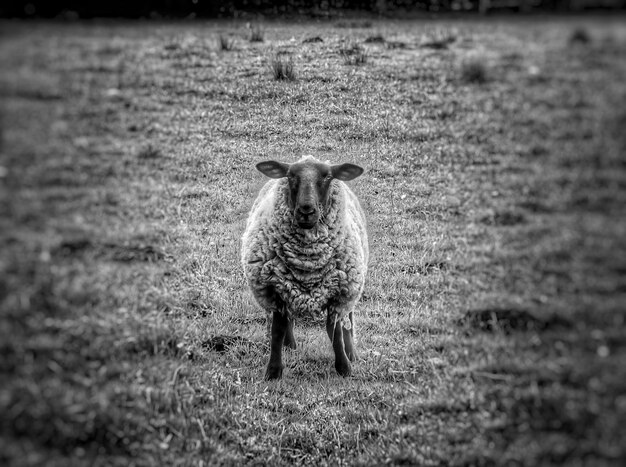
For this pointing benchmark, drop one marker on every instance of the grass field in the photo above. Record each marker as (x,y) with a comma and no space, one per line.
(491,330)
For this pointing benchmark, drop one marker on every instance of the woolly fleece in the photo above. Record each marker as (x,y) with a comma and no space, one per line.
(309,270)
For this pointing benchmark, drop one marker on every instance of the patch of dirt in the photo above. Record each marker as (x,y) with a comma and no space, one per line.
(396,45)
(222,344)
(439,44)
(199,307)
(536,206)
(512,319)
(425,268)
(378,39)
(260,318)
(128,253)
(549,412)
(311,40)
(419,330)
(504,218)
(72,247)
(111,251)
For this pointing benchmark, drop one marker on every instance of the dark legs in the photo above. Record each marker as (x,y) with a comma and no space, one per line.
(336,334)
(290,341)
(280,325)
(348,339)
(282,336)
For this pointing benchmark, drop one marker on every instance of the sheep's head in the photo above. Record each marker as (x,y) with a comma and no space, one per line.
(309,183)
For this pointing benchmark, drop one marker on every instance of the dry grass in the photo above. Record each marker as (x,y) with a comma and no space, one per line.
(491,330)
(283,68)
(226,43)
(354,54)
(256,33)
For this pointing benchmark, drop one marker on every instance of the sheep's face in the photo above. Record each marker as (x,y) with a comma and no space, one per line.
(309,184)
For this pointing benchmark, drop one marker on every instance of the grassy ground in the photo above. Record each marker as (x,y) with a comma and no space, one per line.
(492,326)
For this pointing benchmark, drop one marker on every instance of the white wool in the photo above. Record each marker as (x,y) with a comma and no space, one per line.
(300,272)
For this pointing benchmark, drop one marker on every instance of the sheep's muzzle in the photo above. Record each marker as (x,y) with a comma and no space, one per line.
(306,216)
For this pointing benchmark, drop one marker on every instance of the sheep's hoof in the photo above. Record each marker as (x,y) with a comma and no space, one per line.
(274,372)
(351,355)
(344,369)
(290,344)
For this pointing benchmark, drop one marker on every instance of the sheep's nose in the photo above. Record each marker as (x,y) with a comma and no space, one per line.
(306,209)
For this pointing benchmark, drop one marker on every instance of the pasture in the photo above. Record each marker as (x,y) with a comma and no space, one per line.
(491,330)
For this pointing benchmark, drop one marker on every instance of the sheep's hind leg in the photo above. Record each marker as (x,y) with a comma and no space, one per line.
(335,333)
(290,340)
(348,338)
(280,324)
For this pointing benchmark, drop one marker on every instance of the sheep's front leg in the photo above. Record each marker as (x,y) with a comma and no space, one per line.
(348,338)
(290,341)
(280,324)
(335,333)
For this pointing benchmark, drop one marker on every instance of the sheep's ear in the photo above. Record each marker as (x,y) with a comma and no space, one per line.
(346,172)
(273,169)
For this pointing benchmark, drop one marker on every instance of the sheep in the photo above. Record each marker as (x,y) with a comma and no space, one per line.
(305,254)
